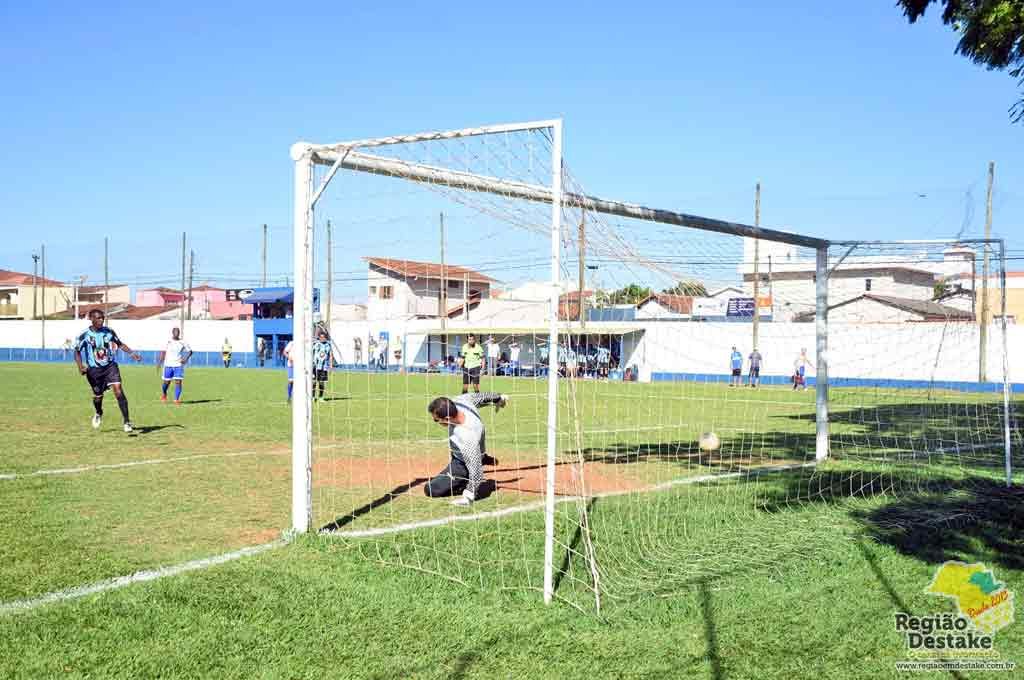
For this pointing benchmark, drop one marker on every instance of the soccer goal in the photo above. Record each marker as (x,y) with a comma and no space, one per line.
(663,397)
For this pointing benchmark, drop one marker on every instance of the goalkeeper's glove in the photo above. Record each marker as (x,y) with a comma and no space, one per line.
(466,499)
(502,402)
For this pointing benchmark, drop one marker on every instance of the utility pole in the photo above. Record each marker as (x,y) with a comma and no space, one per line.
(191,272)
(757,262)
(442,298)
(35,279)
(582,263)
(183,284)
(107,275)
(465,294)
(771,291)
(983,337)
(330,274)
(42,325)
(264,256)
(78,287)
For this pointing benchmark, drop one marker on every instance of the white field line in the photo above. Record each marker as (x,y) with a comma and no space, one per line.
(29,604)
(451,519)
(132,463)
(18,606)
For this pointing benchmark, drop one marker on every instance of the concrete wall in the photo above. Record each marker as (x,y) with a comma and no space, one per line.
(914,351)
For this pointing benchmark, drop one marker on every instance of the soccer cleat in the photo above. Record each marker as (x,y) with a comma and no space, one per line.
(178,402)
(163,397)
(128,428)
(96,420)
(488,459)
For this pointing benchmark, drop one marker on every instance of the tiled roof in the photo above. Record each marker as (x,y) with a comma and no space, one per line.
(12,278)
(427,270)
(680,304)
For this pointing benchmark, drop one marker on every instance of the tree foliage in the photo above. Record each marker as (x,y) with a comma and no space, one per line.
(991,34)
(691,287)
(632,294)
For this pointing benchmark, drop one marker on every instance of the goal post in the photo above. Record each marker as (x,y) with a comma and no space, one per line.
(890,410)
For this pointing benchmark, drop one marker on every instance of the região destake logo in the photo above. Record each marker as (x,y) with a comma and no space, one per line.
(984,606)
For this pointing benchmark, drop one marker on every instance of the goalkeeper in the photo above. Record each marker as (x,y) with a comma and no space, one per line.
(464,472)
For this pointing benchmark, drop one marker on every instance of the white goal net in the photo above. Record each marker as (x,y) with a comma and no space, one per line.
(681,396)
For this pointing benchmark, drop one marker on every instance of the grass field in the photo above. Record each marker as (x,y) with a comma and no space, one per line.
(792,573)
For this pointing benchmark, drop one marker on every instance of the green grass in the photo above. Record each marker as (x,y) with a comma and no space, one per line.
(783,575)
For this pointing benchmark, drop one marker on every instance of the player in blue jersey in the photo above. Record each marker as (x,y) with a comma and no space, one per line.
(323,359)
(173,359)
(95,354)
(736,363)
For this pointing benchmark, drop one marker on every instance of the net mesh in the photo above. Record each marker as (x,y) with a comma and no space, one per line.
(675,462)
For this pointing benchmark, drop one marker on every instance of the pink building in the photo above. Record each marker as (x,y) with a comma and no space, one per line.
(207,302)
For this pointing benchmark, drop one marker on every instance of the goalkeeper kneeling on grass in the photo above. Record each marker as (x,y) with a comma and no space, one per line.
(464,472)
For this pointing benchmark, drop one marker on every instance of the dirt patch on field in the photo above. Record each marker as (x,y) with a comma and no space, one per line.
(513,476)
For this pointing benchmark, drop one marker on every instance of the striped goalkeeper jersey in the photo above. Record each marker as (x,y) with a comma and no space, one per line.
(467,441)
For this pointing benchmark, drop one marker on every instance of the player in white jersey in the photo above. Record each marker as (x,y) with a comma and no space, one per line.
(466,440)
(173,358)
(287,353)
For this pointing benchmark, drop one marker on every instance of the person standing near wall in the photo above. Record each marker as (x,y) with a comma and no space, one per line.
(261,350)
(225,353)
(736,364)
(755,368)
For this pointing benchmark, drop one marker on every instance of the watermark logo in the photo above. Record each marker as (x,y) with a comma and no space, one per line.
(984,606)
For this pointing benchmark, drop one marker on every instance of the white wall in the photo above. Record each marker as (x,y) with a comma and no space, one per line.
(149,334)
(912,351)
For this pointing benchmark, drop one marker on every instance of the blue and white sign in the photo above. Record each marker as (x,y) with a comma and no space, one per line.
(740,307)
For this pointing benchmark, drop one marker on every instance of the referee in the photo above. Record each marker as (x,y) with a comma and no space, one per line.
(471,358)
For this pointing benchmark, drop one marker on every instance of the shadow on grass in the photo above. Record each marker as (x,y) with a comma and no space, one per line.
(149,429)
(572,548)
(929,517)
(968,432)
(200,401)
(345,520)
(710,632)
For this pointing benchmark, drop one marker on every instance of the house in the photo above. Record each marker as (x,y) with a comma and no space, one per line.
(88,295)
(208,302)
(664,306)
(120,311)
(156,297)
(569,304)
(973,284)
(407,289)
(20,299)
(789,278)
(871,308)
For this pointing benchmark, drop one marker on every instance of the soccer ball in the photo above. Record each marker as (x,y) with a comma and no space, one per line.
(709,442)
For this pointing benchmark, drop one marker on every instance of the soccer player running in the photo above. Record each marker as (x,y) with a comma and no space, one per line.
(471,358)
(323,353)
(755,368)
(174,357)
(736,362)
(97,346)
(466,437)
(800,370)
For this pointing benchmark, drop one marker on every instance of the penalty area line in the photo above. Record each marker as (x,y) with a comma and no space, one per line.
(132,463)
(539,505)
(28,604)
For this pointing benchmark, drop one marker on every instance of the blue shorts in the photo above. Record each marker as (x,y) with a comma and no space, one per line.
(174,372)
(800,372)
(291,373)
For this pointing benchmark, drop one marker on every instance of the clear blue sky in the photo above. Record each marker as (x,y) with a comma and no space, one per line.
(140,123)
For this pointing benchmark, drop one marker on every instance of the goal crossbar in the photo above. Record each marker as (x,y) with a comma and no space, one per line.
(420,172)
